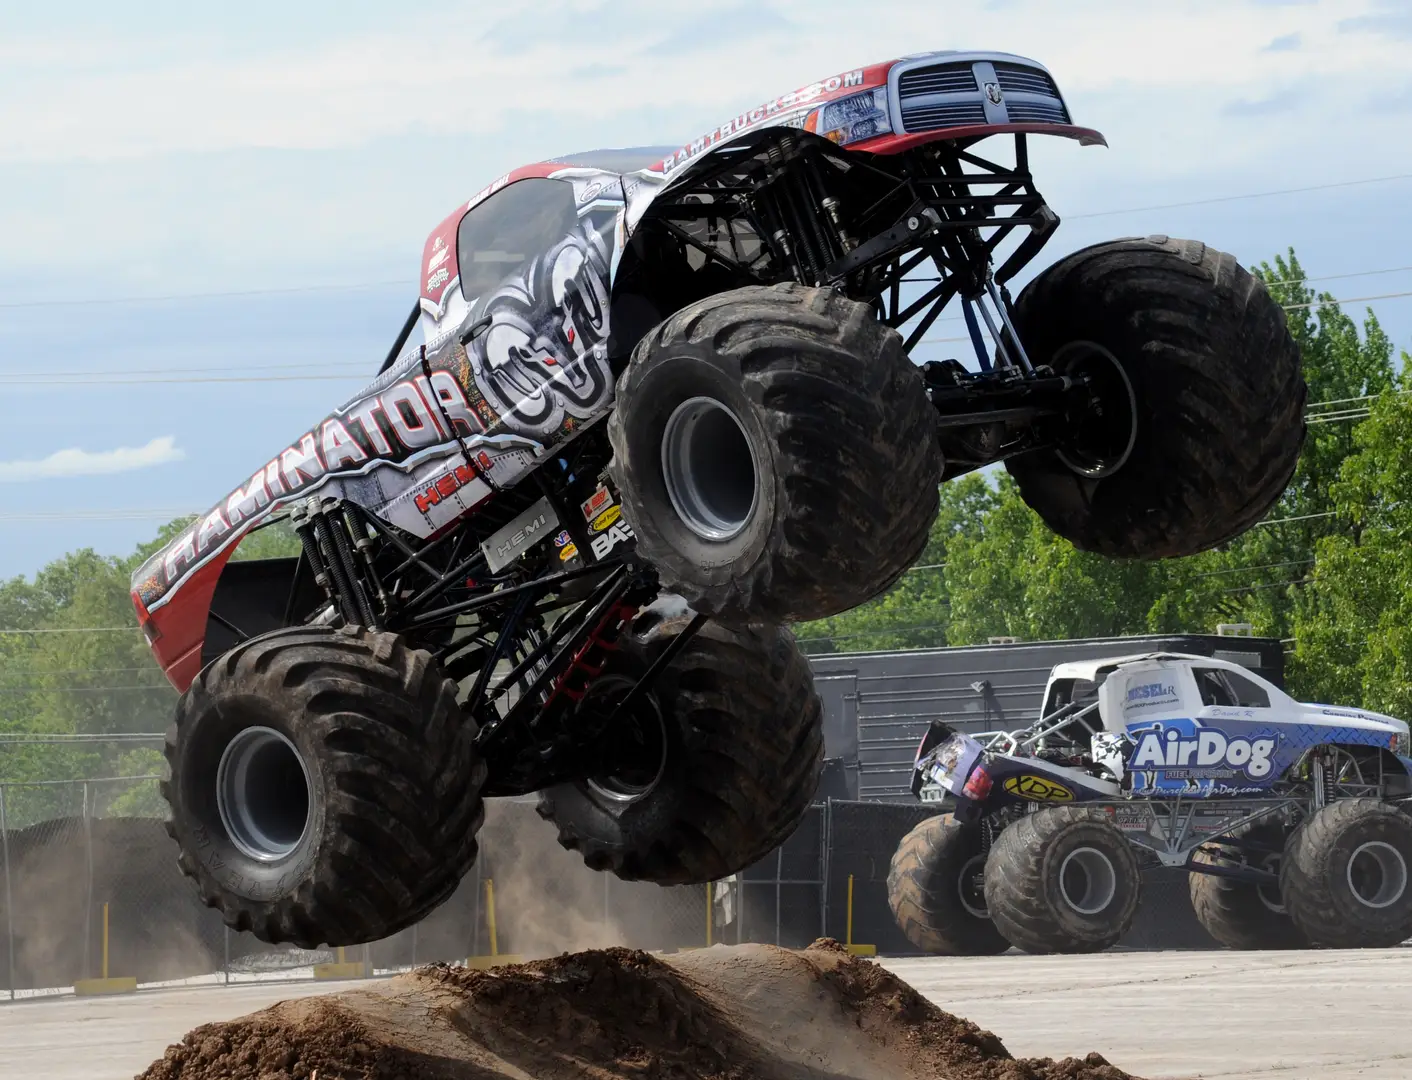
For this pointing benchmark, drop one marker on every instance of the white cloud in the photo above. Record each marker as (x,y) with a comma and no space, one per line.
(180,163)
(77,462)
(348,91)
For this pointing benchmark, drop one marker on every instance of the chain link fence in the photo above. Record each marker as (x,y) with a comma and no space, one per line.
(69,848)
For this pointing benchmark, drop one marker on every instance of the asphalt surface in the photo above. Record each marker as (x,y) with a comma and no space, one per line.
(1236,1016)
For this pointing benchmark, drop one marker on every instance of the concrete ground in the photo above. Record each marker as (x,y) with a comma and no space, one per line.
(1236,1016)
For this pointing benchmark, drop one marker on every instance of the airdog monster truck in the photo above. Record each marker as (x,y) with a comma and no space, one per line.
(1290,817)
(663,404)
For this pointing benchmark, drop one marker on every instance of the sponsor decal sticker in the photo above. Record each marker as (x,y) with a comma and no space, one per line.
(567,552)
(608,517)
(563,539)
(1150,695)
(1038,789)
(605,542)
(595,503)
(1204,753)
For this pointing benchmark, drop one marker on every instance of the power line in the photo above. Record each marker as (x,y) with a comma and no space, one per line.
(1237,198)
(225,294)
(75,630)
(128,378)
(79,689)
(132,514)
(137,737)
(1253,569)
(355,286)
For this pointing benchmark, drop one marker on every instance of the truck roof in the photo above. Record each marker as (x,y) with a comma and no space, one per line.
(1089,670)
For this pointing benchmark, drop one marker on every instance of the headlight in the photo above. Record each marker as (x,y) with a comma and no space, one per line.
(852,119)
(1402,744)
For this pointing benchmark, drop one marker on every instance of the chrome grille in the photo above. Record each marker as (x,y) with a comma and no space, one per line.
(1022,80)
(942,79)
(1036,112)
(945,114)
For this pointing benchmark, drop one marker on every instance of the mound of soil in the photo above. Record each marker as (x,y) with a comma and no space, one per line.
(752,1012)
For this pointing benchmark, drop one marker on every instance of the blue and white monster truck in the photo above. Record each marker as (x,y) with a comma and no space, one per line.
(1288,816)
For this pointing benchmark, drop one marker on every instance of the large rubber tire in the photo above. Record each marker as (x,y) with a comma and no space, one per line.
(1238,914)
(820,494)
(1218,388)
(1333,867)
(367,743)
(936,892)
(1062,880)
(743,753)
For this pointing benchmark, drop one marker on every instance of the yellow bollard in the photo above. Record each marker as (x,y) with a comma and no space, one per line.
(490,913)
(494,958)
(105,985)
(856,950)
(848,928)
(342,968)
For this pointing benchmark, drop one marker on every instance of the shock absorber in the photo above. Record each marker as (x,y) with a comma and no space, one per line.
(330,553)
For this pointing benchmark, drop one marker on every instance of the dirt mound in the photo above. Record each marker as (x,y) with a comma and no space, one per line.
(751,1012)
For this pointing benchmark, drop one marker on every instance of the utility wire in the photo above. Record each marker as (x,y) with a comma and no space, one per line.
(354,286)
(1237,198)
(222,375)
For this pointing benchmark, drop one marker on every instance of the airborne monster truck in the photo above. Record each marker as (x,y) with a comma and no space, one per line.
(665,404)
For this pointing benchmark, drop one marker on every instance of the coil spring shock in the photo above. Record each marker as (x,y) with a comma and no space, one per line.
(325,533)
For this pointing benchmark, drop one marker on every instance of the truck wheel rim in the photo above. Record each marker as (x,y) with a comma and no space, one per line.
(263,794)
(709,468)
(1087,880)
(1377,874)
(1270,894)
(970,884)
(1100,445)
(642,748)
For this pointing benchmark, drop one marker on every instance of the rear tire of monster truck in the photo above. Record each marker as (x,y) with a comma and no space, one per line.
(325,787)
(1062,880)
(776,453)
(935,888)
(740,750)
(1347,875)
(1240,914)
(1203,421)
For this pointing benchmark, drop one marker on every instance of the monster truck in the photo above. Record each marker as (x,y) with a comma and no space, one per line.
(1290,817)
(665,402)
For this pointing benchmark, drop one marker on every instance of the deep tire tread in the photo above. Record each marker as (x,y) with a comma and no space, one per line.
(753,724)
(853,439)
(403,781)
(1231,911)
(1017,876)
(923,893)
(1312,881)
(1220,396)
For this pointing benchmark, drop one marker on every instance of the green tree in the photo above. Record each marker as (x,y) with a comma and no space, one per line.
(915,613)
(1007,575)
(1353,621)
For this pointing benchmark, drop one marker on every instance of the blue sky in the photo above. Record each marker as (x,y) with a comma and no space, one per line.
(161,149)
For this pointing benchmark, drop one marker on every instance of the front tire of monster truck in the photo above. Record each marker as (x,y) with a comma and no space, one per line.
(1347,875)
(325,787)
(1242,914)
(717,764)
(936,890)
(776,453)
(1201,392)
(1062,880)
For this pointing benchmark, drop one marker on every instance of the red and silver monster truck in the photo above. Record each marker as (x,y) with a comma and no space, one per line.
(663,405)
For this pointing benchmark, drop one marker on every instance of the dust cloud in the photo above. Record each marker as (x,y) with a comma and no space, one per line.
(548,902)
